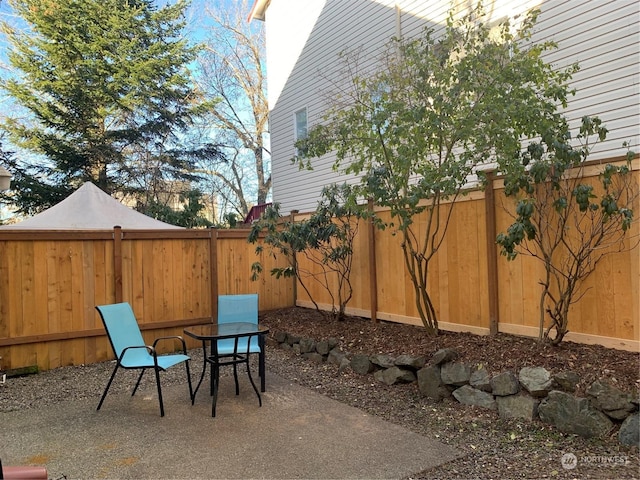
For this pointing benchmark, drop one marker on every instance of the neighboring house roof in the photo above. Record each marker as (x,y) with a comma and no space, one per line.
(89,208)
(255,212)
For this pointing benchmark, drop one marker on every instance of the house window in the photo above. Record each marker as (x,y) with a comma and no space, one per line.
(300,128)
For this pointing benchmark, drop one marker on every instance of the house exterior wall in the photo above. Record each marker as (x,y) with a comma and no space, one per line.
(304,40)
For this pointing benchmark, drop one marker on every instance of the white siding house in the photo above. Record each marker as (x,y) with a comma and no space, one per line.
(304,39)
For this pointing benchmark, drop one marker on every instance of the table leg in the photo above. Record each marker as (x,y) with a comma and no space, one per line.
(204,371)
(215,380)
(261,363)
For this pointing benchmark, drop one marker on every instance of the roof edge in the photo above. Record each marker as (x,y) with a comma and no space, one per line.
(259,10)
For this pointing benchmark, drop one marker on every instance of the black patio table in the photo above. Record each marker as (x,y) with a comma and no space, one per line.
(211,333)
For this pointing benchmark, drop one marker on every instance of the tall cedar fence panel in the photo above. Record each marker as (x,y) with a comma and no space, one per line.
(475,289)
(50,283)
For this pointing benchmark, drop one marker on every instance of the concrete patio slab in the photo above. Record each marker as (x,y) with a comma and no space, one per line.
(297,433)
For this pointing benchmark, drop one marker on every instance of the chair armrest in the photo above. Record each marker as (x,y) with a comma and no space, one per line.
(172,337)
(151,350)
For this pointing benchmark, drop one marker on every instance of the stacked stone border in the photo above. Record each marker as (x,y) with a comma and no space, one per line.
(532,394)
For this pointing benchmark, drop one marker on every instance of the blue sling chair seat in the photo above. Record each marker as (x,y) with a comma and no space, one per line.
(236,308)
(132,353)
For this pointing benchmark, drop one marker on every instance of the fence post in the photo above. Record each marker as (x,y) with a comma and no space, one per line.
(294,260)
(492,257)
(213,272)
(117,262)
(373,273)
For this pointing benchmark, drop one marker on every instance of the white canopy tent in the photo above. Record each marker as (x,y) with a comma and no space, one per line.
(89,208)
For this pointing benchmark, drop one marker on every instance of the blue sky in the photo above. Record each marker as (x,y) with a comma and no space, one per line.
(196,30)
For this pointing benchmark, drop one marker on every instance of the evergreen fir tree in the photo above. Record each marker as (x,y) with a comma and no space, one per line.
(108,91)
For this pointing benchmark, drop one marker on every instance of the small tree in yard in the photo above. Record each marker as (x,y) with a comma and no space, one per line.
(564,220)
(415,129)
(325,240)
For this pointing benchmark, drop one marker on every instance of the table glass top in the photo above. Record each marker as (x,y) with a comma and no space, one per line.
(213,330)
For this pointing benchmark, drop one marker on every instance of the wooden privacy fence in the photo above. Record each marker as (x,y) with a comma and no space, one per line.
(475,289)
(51,281)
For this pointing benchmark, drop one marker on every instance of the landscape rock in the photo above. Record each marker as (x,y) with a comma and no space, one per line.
(567,381)
(314,357)
(344,364)
(444,355)
(472,396)
(570,414)
(430,383)
(307,345)
(393,375)
(518,406)
(455,373)
(536,380)
(382,361)
(361,364)
(505,384)
(611,400)
(629,433)
(410,361)
(336,356)
(322,347)
(480,379)
(587,417)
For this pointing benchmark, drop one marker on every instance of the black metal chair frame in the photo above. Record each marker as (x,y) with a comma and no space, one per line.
(157,369)
(152,351)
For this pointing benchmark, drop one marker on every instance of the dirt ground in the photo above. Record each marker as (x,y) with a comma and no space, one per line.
(493,448)
(498,353)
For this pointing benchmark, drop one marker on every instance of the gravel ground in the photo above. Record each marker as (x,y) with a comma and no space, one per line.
(493,448)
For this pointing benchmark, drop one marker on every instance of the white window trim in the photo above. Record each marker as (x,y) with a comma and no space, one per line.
(296,136)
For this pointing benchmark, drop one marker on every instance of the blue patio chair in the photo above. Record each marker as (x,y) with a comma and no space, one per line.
(132,353)
(239,308)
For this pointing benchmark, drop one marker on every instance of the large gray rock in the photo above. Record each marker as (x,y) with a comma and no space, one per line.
(281,336)
(307,345)
(573,415)
(430,384)
(504,384)
(611,400)
(394,375)
(382,361)
(444,355)
(472,396)
(344,364)
(480,379)
(454,373)
(567,381)
(629,433)
(536,380)
(416,363)
(322,347)
(518,406)
(361,364)
(336,356)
